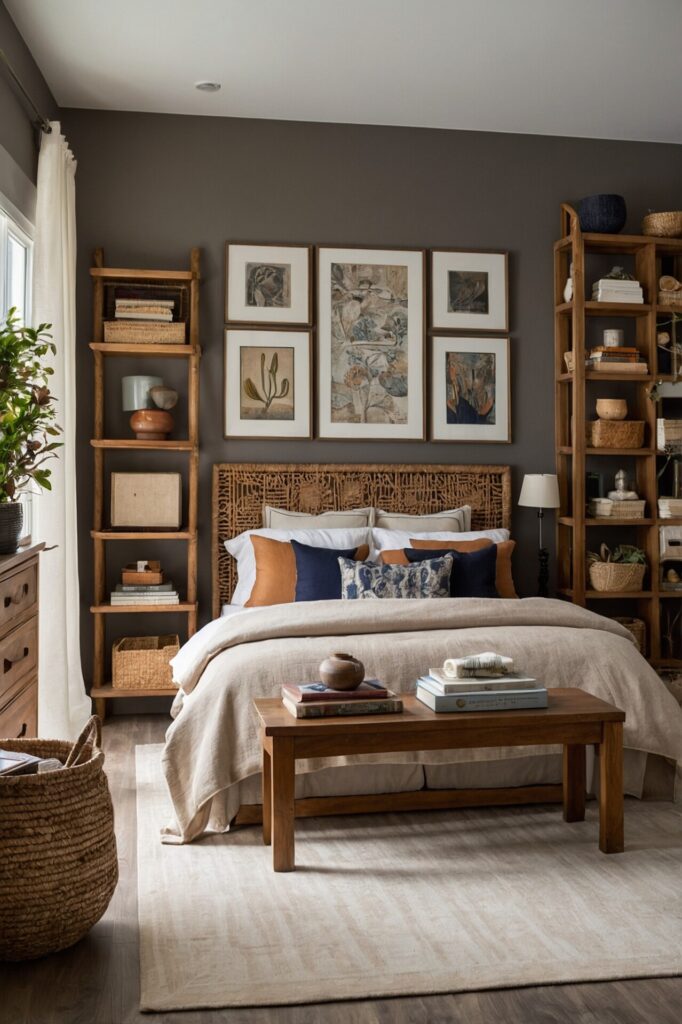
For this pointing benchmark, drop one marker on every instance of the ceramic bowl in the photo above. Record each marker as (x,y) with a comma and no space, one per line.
(612,408)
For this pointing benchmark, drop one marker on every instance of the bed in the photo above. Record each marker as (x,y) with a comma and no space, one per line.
(212,756)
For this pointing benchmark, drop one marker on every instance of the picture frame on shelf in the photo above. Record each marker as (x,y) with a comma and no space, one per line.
(268,285)
(469,290)
(371,332)
(267,383)
(470,389)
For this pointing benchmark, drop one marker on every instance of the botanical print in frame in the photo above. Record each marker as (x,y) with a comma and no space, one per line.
(371,343)
(267,383)
(470,389)
(268,284)
(468,290)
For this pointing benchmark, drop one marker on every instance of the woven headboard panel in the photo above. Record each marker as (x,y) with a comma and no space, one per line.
(241,489)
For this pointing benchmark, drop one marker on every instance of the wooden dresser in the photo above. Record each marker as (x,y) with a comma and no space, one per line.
(19,643)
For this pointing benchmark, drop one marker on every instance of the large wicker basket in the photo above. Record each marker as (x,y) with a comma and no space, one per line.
(142,662)
(58,866)
(620,576)
(617,433)
(663,225)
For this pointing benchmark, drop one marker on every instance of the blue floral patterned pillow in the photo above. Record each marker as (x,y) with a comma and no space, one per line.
(430,578)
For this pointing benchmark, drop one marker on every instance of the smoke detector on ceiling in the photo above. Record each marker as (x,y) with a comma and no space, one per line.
(207,86)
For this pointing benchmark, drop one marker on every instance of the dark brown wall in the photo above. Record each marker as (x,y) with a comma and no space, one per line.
(17,134)
(151,186)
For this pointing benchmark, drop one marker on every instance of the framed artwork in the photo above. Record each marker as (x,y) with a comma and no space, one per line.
(267,383)
(371,329)
(268,284)
(469,291)
(470,389)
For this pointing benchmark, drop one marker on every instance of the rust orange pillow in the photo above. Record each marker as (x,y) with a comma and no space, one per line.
(398,557)
(276,571)
(504,580)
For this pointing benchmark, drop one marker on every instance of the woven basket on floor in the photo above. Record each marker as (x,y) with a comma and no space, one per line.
(627,576)
(638,629)
(663,225)
(58,866)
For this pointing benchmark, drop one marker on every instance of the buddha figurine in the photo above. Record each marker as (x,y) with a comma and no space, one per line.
(621,492)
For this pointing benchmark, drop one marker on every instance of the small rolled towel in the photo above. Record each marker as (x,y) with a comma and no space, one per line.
(478,666)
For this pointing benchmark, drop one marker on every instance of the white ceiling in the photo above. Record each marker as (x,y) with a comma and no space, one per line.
(593,68)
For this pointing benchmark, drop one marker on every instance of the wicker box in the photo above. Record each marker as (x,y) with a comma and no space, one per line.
(131,332)
(617,433)
(142,662)
(146,500)
(638,629)
(670,298)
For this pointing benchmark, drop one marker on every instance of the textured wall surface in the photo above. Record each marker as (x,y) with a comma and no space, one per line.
(151,186)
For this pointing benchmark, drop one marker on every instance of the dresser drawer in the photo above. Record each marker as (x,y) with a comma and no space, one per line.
(18,594)
(20,716)
(18,656)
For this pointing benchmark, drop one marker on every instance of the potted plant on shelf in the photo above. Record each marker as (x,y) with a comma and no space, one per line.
(619,570)
(27,420)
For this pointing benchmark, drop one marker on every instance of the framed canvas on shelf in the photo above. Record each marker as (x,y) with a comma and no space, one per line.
(267,389)
(469,290)
(370,344)
(470,389)
(268,284)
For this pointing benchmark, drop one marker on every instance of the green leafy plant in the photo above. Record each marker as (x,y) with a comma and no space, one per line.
(624,553)
(268,384)
(27,415)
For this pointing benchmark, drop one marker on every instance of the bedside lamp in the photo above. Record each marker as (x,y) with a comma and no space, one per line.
(540,491)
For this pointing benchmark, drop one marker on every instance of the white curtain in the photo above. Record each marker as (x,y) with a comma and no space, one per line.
(63,705)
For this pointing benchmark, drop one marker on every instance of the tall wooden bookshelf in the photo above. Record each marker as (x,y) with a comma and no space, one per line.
(102,534)
(575,393)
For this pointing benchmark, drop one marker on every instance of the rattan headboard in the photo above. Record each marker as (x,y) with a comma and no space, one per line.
(240,490)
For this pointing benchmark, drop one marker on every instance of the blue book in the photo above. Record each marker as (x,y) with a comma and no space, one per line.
(490,700)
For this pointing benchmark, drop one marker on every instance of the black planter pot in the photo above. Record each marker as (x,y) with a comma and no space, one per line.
(604,213)
(11,523)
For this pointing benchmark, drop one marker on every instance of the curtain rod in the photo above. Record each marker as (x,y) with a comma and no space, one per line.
(40,122)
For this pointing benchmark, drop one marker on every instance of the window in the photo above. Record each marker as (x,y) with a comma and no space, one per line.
(16,250)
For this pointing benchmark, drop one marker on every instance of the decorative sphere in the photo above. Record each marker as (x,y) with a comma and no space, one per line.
(342,672)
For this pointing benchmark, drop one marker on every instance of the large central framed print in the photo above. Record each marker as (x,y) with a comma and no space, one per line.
(371,330)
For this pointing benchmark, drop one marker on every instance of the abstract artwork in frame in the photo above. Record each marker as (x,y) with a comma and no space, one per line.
(267,383)
(470,389)
(468,291)
(268,284)
(371,343)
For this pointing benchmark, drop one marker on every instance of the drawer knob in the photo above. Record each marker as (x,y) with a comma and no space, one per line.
(9,662)
(18,596)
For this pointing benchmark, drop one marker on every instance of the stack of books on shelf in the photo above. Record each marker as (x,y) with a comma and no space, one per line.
(315,700)
(616,359)
(670,508)
(615,289)
(481,682)
(159,310)
(134,593)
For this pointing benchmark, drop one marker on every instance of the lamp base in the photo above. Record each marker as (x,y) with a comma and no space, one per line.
(543,572)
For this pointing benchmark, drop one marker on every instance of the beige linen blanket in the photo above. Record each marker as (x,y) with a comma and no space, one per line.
(213,741)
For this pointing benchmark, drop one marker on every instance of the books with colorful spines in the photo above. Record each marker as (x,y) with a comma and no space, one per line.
(439,683)
(489,700)
(343,708)
(370,689)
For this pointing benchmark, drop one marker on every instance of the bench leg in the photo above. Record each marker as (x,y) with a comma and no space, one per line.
(574,782)
(283,782)
(267,798)
(611,838)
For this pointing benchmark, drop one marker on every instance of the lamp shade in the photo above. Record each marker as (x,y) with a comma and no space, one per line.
(540,490)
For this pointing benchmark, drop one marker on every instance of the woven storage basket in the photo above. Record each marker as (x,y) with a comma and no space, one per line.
(617,433)
(670,298)
(129,332)
(626,576)
(142,662)
(663,225)
(58,866)
(637,628)
(631,509)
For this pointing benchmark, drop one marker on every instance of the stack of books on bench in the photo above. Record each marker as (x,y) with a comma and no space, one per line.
(315,700)
(481,682)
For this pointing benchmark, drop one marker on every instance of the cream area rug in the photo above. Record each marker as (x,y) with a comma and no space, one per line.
(406,904)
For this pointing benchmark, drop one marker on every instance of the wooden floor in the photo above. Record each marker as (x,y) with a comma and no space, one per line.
(97,981)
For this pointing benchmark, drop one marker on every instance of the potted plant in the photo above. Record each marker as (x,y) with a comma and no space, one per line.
(620,570)
(27,420)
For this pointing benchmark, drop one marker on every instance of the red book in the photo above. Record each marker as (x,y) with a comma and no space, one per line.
(371,689)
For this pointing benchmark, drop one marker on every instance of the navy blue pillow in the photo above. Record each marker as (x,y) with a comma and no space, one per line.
(318,575)
(473,572)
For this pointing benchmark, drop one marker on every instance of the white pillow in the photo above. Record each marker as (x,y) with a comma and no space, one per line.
(241,549)
(392,540)
(283,519)
(454,521)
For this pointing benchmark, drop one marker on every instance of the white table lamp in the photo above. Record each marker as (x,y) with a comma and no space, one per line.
(540,491)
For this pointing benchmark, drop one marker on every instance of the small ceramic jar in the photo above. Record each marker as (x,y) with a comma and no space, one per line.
(342,672)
